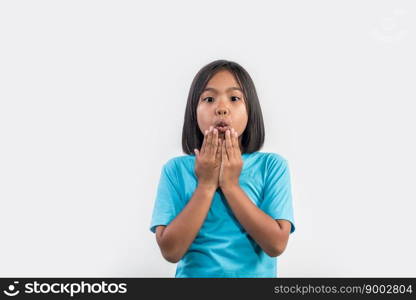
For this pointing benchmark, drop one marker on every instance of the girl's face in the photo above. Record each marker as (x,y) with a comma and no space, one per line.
(222,101)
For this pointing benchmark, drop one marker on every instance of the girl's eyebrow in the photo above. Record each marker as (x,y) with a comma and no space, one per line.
(229,89)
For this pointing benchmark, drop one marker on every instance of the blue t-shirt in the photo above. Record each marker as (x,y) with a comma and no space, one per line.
(223,248)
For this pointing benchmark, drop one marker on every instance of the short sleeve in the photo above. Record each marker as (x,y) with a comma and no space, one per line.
(277,201)
(167,197)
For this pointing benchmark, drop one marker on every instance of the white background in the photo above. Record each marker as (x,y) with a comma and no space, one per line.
(92,101)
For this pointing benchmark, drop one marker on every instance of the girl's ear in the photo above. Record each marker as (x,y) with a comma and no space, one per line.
(196,152)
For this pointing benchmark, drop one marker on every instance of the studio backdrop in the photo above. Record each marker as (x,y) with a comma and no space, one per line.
(92,102)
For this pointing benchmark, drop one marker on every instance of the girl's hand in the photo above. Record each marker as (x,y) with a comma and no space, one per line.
(231,161)
(208,160)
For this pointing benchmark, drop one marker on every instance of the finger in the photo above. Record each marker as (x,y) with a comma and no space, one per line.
(232,135)
(208,148)
(224,156)
(204,143)
(228,144)
(214,142)
(236,143)
(218,154)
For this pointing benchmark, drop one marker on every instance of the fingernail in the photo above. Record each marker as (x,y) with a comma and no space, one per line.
(215,130)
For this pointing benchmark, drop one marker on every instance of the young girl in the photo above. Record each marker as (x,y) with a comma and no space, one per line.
(224,210)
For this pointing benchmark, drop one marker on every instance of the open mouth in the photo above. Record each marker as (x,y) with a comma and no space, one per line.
(222,126)
(222,129)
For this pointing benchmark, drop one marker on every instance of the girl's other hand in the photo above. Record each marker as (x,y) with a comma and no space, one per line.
(208,160)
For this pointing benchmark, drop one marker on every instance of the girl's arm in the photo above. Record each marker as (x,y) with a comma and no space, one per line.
(271,235)
(175,239)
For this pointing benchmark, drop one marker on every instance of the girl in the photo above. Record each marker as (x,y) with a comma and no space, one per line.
(224,210)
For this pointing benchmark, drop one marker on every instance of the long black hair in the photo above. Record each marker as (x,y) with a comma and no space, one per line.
(252,137)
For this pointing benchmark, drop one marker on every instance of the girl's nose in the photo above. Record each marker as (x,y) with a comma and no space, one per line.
(222,111)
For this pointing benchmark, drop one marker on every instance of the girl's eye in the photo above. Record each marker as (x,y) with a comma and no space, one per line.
(213,98)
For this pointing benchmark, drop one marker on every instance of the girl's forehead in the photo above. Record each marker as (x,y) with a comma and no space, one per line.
(222,78)
(222,87)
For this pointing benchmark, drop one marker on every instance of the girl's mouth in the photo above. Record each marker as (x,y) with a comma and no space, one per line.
(222,129)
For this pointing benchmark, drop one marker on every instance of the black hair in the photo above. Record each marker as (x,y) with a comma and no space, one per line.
(253,136)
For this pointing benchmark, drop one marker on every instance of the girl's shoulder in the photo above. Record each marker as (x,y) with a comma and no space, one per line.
(181,158)
(263,161)
(271,156)
(178,160)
